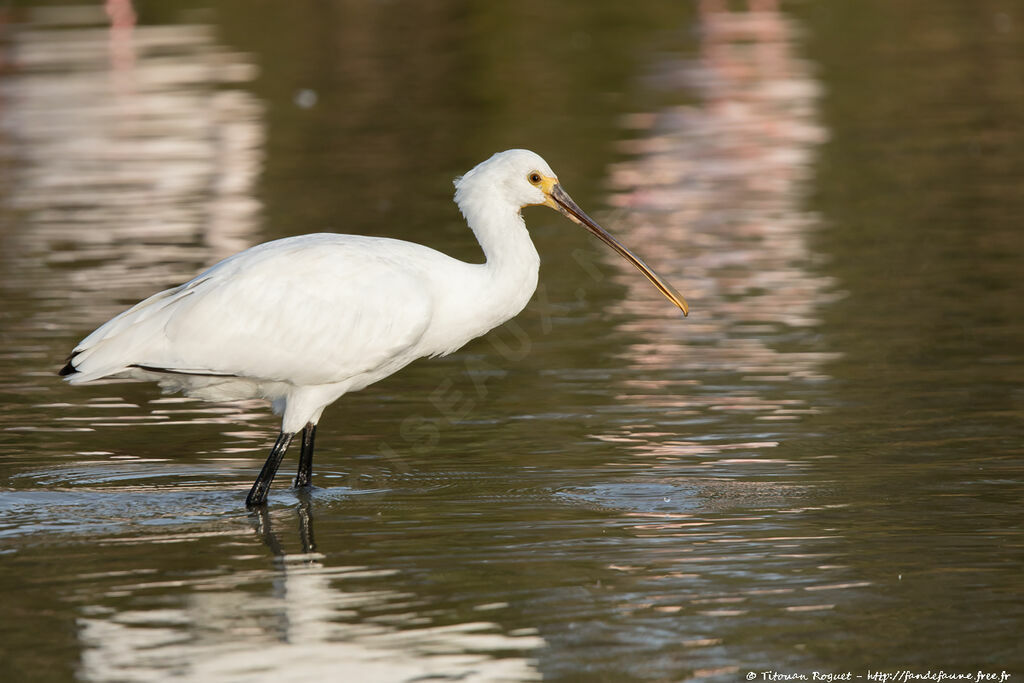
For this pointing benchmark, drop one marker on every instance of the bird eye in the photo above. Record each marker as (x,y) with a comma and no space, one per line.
(534,178)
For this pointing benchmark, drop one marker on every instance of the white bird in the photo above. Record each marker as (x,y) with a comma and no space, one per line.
(303,320)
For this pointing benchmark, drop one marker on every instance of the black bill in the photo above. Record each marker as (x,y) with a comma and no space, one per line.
(564,203)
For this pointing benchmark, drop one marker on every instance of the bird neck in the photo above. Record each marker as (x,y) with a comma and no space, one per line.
(502,234)
(512,262)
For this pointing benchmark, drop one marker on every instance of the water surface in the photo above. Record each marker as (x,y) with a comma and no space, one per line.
(819,469)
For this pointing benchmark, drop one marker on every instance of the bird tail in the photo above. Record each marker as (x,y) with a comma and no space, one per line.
(124,340)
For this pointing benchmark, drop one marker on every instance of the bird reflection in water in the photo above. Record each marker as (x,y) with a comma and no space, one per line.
(304,513)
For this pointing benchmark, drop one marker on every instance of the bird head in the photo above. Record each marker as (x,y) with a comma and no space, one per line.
(523,178)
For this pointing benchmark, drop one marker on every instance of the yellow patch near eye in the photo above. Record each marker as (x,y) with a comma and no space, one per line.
(547,183)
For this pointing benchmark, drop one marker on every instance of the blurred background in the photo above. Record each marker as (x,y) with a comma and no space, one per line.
(819,470)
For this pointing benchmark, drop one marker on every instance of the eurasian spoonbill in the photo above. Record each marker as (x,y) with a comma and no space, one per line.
(303,320)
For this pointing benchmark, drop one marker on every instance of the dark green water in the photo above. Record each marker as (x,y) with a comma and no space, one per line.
(820,470)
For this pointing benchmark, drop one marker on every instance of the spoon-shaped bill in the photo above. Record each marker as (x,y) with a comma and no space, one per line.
(564,204)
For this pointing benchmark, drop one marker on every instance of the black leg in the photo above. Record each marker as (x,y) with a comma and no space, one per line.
(304,477)
(258,493)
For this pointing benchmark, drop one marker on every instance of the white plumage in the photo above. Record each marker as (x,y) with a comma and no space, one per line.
(303,320)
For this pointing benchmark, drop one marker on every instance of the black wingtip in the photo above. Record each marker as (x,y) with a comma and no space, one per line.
(69,368)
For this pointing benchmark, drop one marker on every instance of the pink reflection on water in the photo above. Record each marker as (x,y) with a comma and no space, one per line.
(713,195)
(122,190)
(122,24)
(130,155)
